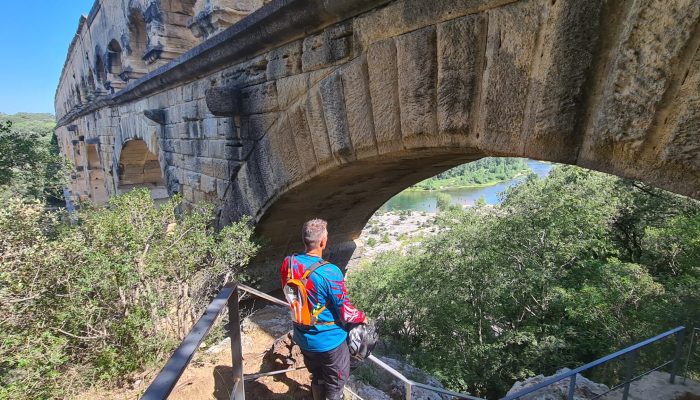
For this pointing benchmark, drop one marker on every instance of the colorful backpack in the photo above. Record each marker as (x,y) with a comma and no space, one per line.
(296,295)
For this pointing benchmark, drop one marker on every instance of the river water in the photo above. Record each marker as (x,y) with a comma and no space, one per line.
(427,200)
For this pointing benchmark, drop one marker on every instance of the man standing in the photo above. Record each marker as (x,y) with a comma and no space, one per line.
(323,342)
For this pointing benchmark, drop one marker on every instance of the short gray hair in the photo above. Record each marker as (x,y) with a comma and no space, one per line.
(313,232)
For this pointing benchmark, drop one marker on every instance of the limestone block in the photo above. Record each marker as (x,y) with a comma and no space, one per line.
(510,50)
(210,128)
(316,119)
(225,128)
(283,149)
(460,58)
(293,88)
(653,39)
(417,75)
(223,101)
(207,184)
(569,38)
(335,116)
(359,107)
(401,17)
(246,73)
(332,45)
(222,187)
(189,111)
(259,99)
(253,127)
(284,61)
(301,136)
(684,122)
(186,147)
(383,86)
(192,179)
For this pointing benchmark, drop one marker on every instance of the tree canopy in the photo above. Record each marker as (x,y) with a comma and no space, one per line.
(567,269)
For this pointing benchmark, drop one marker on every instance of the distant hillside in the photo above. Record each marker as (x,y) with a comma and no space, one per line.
(43,124)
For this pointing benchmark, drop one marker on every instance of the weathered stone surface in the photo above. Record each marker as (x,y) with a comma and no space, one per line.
(569,38)
(384,91)
(417,72)
(283,354)
(258,99)
(302,137)
(223,101)
(585,389)
(653,39)
(284,61)
(327,48)
(684,141)
(317,126)
(359,108)
(327,108)
(460,53)
(335,117)
(510,50)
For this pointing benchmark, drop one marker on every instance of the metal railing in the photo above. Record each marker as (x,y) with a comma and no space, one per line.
(630,353)
(167,378)
(693,335)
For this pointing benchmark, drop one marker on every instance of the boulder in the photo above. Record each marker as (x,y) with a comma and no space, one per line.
(585,388)
(283,354)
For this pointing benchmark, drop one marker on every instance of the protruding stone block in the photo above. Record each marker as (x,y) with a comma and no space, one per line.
(223,101)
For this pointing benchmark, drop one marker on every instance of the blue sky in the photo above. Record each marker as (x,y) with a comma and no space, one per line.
(34,40)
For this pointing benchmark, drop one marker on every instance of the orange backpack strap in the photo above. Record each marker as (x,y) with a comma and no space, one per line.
(304,279)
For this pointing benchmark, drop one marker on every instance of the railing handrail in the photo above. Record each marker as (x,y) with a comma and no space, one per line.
(593,364)
(167,378)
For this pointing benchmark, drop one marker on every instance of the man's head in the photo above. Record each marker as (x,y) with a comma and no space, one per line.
(315,234)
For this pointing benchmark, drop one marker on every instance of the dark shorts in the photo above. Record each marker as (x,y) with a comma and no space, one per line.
(329,368)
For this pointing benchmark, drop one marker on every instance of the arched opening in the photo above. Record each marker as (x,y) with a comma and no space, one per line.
(139,167)
(114,57)
(96,173)
(138,43)
(93,157)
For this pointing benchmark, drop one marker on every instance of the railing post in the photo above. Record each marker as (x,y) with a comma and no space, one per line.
(409,390)
(234,321)
(631,359)
(680,336)
(693,334)
(572,387)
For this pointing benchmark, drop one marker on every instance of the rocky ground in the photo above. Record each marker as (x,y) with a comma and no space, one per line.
(654,386)
(392,231)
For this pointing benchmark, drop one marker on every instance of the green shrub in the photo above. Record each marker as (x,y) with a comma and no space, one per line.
(107,295)
(568,269)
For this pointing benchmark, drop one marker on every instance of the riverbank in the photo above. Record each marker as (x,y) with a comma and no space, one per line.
(449,186)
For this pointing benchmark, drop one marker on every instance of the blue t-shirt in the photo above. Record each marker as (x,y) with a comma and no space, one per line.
(326,286)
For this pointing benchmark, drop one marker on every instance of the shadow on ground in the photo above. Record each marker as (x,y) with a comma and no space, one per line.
(272,388)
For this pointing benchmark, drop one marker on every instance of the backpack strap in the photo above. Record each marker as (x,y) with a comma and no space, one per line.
(313,268)
(304,279)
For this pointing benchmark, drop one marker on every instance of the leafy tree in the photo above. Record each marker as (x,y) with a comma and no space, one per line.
(481,172)
(567,269)
(30,166)
(96,299)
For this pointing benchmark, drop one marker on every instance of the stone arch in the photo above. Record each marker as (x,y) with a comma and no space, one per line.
(140,167)
(138,44)
(93,157)
(337,141)
(114,57)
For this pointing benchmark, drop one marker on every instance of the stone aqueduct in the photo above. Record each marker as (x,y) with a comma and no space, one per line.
(329,107)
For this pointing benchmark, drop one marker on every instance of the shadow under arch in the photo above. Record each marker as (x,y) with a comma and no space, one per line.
(139,167)
(347,197)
